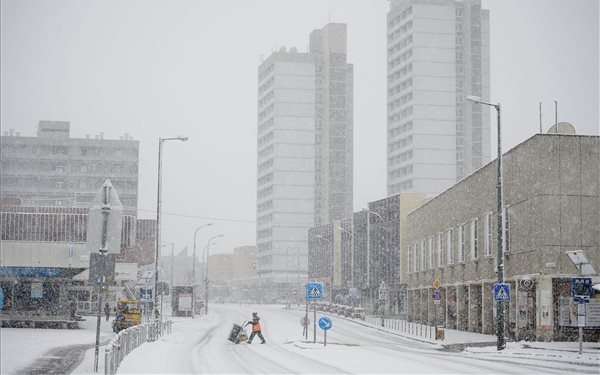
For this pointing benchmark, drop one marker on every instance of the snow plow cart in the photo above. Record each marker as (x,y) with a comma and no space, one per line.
(237,334)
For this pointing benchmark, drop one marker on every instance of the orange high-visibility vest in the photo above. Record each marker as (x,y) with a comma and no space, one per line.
(256,325)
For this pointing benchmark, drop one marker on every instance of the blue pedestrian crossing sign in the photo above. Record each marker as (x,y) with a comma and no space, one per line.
(314,290)
(502,292)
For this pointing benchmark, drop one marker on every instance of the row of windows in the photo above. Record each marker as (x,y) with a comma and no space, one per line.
(401,186)
(440,249)
(266,165)
(264,246)
(266,86)
(266,152)
(268,191)
(266,138)
(64,150)
(402,157)
(270,69)
(264,233)
(266,125)
(264,219)
(400,59)
(44,227)
(267,98)
(401,86)
(402,128)
(401,172)
(400,73)
(60,167)
(400,101)
(403,43)
(399,18)
(399,144)
(401,115)
(265,206)
(266,112)
(266,178)
(400,30)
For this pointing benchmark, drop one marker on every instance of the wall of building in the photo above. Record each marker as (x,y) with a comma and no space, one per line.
(552,198)
(438,53)
(55,170)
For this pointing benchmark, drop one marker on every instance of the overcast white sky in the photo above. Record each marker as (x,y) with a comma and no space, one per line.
(164,68)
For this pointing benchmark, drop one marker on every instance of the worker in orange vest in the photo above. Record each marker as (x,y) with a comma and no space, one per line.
(256,329)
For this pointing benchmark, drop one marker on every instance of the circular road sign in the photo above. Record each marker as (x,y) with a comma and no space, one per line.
(325,323)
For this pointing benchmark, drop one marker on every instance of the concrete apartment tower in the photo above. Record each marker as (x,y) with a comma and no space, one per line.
(304,154)
(438,54)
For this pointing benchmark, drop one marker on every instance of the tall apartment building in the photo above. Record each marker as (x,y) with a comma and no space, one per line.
(304,151)
(53,169)
(438,54)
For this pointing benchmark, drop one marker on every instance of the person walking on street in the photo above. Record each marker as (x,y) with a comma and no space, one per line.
(256,329)
(107,311)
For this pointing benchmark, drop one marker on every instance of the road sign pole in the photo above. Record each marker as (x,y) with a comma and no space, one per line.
(306,316)
(314,322)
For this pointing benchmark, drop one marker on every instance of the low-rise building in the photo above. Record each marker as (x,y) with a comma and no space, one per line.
(552,205)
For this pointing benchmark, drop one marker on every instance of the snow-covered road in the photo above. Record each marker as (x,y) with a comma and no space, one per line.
(200,346)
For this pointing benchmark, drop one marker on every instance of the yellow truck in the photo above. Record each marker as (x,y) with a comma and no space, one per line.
(128,314)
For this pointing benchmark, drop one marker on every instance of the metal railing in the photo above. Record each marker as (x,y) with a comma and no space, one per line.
(129,339)
(402,325)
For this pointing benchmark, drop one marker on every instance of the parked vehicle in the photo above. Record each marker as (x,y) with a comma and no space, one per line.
(128,314)
(358,313)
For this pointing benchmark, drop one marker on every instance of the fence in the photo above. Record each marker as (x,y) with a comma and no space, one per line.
(129,339)
(411,328)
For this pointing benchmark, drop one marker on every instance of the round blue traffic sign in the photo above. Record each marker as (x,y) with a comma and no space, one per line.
(325,323)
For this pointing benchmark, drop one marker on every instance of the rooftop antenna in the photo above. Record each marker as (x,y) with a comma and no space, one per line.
(540,117)
(556,114)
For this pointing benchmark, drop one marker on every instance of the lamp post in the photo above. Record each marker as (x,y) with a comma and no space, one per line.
(371,288)
(194,270)
(206,279)
(351,281)
(158,206)
(501,344)
(330,271)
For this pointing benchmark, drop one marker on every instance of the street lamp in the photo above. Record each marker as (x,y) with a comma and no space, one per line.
(158,205)
(383,247)
(501,344)
(206,280)
(374,213)
(194,269)
(351,281)
(330,271)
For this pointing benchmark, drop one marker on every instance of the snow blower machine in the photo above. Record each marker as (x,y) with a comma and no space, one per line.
(237,334)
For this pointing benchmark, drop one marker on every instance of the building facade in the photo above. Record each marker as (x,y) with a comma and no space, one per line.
(53,169)
(304,152)
(359,259)
(438,53)
(552,205)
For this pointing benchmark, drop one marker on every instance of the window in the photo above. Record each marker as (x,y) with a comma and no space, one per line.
(461,243)
(487,233)
(474,239)
(409,259)
(450,246)
(422,249)
(506,229)
(439,250)
(430,252)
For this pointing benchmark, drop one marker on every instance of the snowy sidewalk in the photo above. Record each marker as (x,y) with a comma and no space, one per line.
(477,343)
